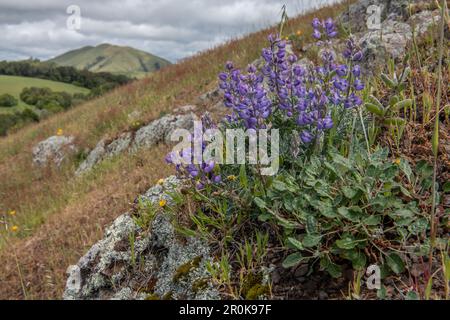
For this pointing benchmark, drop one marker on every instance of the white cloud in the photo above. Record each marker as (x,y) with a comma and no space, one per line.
(172,29)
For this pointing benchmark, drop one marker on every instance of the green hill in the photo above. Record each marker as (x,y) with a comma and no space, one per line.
(14,86)
(111,58)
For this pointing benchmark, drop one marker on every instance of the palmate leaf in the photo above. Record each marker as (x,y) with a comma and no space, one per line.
(357,258)
(293,259)
(311,240)
(346,243)
(395,263)
(388,81)
(296,243)
(349,192)
(372,108)
(407,103)
(333,269)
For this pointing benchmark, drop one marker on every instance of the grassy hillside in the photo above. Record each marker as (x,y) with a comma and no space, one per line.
(60,216)
(113,59)
(14,86)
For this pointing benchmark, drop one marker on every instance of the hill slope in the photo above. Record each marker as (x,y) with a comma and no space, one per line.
(60,217)
(14,86)
(113,59)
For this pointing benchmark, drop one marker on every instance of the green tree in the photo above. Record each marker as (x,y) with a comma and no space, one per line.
(7,100)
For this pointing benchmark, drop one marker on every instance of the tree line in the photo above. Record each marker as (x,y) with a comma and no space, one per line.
(98,83)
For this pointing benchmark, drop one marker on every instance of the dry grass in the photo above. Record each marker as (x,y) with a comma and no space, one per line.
(60,217)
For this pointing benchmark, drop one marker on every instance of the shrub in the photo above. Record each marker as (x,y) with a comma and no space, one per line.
(7,100)
(29,115)
(6,122)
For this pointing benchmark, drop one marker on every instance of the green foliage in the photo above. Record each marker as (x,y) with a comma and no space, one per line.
(45,98)
(10,120)
(387,114)
(50,71)
(337,208)
(7,100)
(6,122)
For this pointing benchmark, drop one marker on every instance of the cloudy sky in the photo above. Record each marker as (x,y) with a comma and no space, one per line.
(172,29)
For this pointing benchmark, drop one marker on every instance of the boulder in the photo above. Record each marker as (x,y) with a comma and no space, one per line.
(134,261)
(356,17)
(53,150)
(95,156)
(160,130)
(156,132)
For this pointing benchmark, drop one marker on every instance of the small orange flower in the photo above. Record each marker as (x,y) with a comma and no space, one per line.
(59,132)
(299,33)
(162,203)
(14,228)
(397,161)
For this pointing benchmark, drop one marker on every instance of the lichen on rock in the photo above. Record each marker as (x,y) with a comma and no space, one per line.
(131,262)
(53,150)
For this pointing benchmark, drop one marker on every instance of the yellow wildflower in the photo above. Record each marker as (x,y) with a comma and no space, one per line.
(12,212)
(231,178)
(160,181)
(59,132)
(162,203)
(397,161)
(14,228)
(299,33)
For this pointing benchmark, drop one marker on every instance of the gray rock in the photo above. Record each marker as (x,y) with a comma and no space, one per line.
(157,131)
(356,17)
(185,109)
(160,130)
(391,40)
(94,157)
(209,97)
(54,149)
(129,258)
(395,33)
(424,20)
(119,145)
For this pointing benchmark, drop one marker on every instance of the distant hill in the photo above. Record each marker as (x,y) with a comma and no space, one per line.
(111,58)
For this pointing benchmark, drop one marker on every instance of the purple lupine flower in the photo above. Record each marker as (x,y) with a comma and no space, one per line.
(199,186)
(217,179)
(209,166)
(306,136)
(325,123)
(305,94)
(342,70)
(169,158)
(316,23)
(317,34)
(358,56)
(359,85)
(356,71)
(223,76)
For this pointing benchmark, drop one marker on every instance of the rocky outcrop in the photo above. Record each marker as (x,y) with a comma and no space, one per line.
(53,150)
(155,132)
(356,17)
(396,27)
(136,261)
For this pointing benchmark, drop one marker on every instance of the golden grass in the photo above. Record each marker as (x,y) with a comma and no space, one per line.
(60,216)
